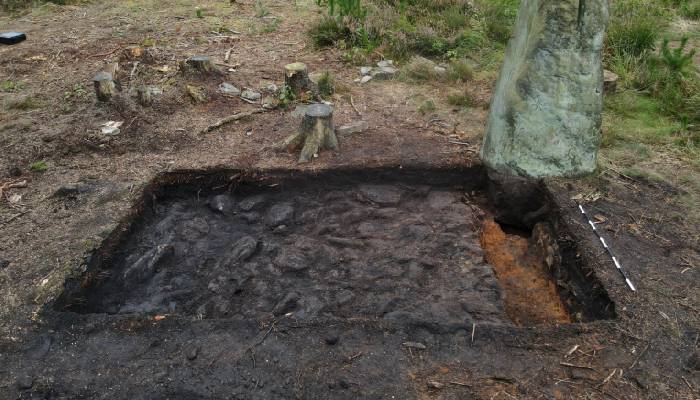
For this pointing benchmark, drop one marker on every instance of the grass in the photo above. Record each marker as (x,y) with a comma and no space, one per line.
(325,84)
(39,166)
(461,99)
(260,9)
(22,104)
(427,107)
(11,86)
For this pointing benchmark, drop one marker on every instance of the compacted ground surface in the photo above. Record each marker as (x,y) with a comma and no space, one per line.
(362,288)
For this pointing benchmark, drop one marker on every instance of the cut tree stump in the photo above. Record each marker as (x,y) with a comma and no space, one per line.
(202,65)
(146,94)
(105,87)
(315,134)
(296,77)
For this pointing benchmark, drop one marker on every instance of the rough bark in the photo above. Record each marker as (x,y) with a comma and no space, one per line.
(315,134)
(105,88)
(201,65)
(545,117)
(296,77)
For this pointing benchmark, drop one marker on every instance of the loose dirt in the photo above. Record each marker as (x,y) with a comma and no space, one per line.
(73,216)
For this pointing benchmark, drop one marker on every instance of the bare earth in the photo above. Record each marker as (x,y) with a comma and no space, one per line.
(651,350)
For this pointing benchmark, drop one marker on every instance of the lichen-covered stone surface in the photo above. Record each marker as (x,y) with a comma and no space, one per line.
(545,115)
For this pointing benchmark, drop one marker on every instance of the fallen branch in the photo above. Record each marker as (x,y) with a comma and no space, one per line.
(229,119)
(352,103)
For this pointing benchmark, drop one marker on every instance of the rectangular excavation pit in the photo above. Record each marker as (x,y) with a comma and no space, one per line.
(394,244)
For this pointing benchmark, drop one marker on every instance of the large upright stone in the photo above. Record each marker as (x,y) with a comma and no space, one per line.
(545,115)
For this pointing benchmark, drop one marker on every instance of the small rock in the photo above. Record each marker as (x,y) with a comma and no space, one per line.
(353,127)
(435,385)
(384,195)
(251,203)
(366,79)
(271,88)
(331,340)
(270,102)
(280,230)
(291,260)
(243,249)
(279,214)
(25,382)
(4,264)
(287,304)
(192,352)
(70,190)
(415,345)
(220,203)
(384,73)
(14,171)
(111,128)
(250,217)
(229,90)
(364,71)
(440,70)
(609,81)
(385,63)
(197,94)
(251,95)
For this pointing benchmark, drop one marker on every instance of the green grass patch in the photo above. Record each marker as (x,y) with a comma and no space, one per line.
(39,166)
(632,117)
(11,86)
(462,99)
(325,84)
(427,107)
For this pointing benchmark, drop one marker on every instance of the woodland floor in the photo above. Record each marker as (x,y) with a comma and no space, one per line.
(92,183)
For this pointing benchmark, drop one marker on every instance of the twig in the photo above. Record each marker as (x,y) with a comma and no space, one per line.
(473,332)
(352,103)
(229,119)
(609,376)
(133,71)
(104,54)
(14,217)
(249,101)
(576,366)
(638,357)
(234,66)
(228,55)
(686,382)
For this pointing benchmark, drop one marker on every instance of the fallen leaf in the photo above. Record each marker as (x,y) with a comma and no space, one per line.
(159,317)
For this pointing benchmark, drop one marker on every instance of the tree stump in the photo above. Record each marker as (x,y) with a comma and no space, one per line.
(296,77)
(105,87)
(146,94)
(316,133)
(202,65)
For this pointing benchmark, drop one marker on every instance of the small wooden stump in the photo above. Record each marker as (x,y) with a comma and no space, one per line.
(202,65)
(146,94)
(609,82)
(296,77)
(316,133)
(105,87)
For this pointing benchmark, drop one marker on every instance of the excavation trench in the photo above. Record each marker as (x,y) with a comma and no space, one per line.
(411,247)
